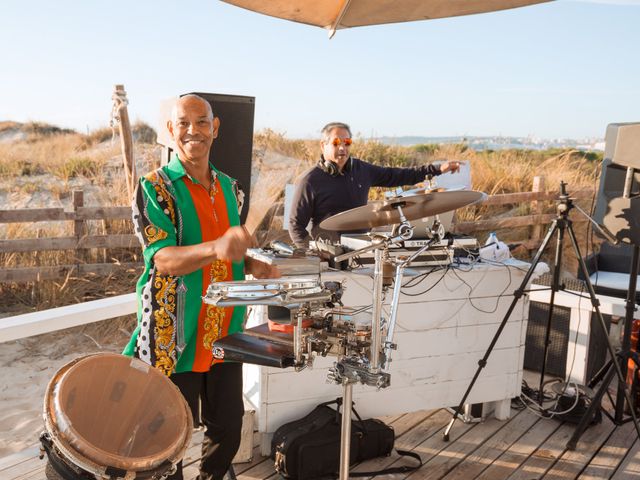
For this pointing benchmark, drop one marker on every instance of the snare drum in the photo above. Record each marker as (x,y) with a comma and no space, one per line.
(111,416)
(288,292)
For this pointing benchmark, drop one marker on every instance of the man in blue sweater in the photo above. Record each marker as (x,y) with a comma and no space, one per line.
(339,182)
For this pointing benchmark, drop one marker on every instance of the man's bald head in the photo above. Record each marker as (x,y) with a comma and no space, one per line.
(184,100)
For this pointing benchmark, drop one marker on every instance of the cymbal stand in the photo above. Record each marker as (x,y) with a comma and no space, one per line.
(437,235)
(560,224)
(349,370)
(345,371)
(381,246)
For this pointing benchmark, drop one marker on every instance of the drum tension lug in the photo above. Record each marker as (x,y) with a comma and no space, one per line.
(166,469)
(45,441)
(115,472)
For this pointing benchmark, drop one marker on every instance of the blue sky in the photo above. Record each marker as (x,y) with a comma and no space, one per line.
(555,70)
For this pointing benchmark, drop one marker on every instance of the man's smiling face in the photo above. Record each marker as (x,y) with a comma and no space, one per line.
(193,128)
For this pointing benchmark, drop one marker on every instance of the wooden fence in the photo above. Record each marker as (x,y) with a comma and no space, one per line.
(80,241)
(534,222)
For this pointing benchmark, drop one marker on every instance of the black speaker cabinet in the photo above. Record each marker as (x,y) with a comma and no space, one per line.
(622,144)
(232,150)
(620,214)
(616,209)
(560,335)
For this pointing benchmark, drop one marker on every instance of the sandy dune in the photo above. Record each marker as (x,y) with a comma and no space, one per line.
(26,367)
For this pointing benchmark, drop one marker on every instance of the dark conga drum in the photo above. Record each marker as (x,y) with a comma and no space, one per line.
(110,416)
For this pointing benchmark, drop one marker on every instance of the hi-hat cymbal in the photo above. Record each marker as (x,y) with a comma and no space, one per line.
(385,212)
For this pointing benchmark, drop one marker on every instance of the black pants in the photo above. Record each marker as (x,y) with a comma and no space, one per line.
(219,393)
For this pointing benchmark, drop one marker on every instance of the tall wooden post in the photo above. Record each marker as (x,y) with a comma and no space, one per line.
(537,208)
(79,229)
(121,116)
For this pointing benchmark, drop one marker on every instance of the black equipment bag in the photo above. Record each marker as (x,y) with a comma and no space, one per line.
(309,448)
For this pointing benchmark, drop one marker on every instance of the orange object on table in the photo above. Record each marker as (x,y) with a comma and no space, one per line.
(632,367)
(287,327)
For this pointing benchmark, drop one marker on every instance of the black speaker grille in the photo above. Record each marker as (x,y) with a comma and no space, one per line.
(559,335)
(558,339)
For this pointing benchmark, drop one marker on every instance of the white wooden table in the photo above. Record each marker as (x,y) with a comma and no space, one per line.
(441,333)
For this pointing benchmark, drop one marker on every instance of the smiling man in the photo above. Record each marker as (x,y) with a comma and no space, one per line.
(339,182)
(187,217)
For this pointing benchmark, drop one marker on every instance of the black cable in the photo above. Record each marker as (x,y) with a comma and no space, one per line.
(499,296)
(418,279)
(428,289)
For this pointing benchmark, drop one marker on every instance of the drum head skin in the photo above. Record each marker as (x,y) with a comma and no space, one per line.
(111,410)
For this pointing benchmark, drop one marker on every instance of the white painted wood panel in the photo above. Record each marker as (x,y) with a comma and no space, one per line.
(36,323)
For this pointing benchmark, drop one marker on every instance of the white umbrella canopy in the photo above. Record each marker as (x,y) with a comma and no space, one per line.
(337,14)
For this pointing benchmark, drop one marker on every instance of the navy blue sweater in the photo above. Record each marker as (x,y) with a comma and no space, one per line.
(319,195)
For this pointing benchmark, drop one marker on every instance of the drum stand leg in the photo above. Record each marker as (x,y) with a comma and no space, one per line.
(345,431)
(376,312)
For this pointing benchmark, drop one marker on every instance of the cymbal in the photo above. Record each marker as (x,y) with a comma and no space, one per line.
(385,212)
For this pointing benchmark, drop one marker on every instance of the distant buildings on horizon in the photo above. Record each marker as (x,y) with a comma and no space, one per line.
(500,143)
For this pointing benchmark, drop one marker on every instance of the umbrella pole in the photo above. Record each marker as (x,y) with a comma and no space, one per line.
(336,22)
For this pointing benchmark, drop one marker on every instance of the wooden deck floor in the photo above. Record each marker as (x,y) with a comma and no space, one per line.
(524,447)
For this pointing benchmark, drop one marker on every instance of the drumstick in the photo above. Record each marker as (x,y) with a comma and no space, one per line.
(254,217)
(254,242)
(253,220)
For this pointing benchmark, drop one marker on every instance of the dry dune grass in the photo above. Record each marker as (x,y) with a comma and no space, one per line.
(513,170)
(268,139)
(41,155)
(61,152)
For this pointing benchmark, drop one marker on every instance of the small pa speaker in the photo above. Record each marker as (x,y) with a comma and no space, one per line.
(620,214)
(232,151)
(622,144)
(618,202)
